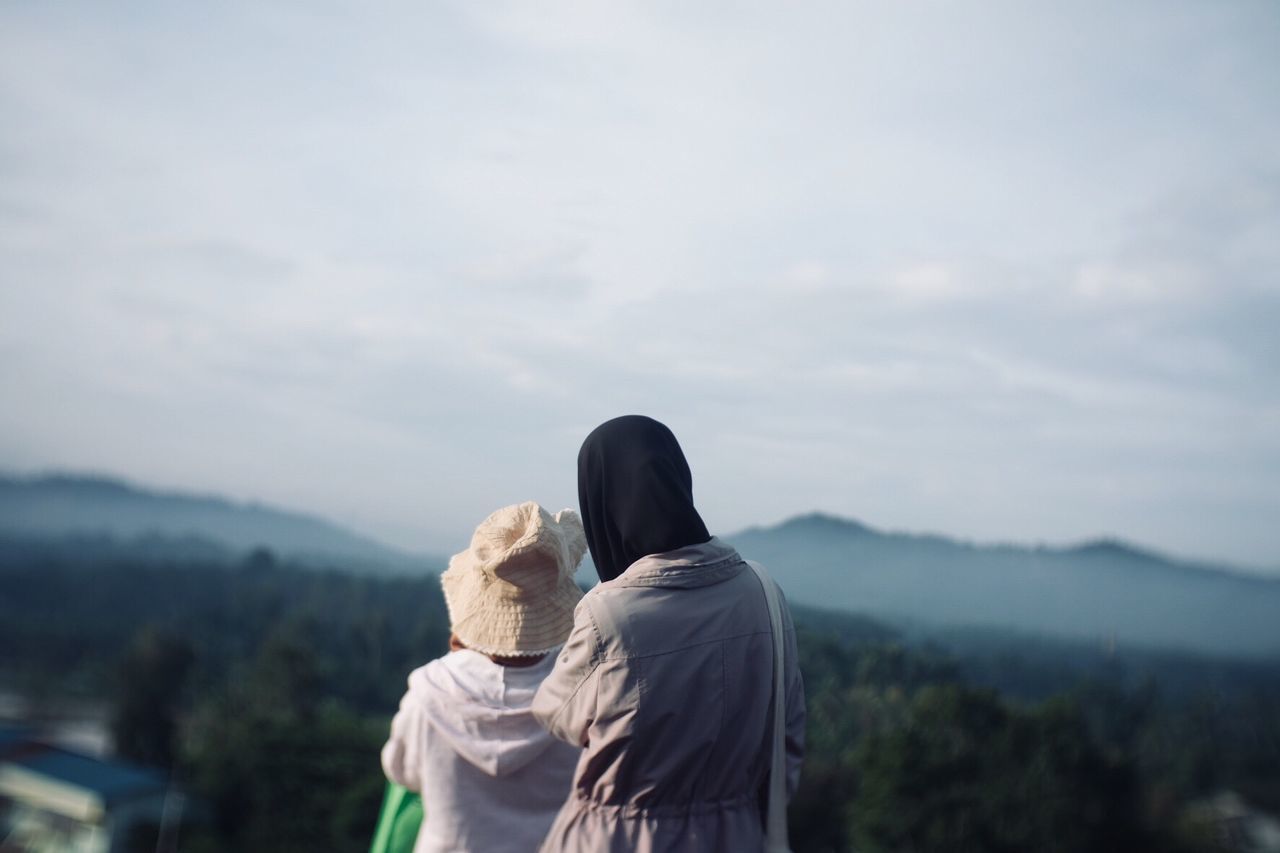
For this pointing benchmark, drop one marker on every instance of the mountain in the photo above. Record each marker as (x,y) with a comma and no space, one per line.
(81,508)
(1106,590)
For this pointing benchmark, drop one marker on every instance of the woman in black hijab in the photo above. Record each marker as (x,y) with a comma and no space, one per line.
(635,493)
(666,681)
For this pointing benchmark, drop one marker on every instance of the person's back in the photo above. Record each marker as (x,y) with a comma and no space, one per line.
(667,678)
(491,778)
(669,691)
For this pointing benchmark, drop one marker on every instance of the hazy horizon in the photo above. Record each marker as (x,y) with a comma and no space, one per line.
(458,539)
(1003,273)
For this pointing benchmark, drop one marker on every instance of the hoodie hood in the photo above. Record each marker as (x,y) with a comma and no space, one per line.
(482,708)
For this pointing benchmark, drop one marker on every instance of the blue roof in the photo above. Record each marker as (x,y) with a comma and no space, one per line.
(12,737)
(111,780)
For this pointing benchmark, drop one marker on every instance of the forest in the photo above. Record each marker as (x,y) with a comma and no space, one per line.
(266,688)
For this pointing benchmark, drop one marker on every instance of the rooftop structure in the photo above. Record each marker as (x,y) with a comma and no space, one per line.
(56,799)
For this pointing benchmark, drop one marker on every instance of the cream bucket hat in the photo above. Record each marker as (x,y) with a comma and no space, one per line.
(512,592)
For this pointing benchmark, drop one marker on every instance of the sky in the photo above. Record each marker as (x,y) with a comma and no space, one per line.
(1007,271)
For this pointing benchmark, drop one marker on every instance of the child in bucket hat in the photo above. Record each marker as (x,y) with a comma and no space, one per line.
(490,776)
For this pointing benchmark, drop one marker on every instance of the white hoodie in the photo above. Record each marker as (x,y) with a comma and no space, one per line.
(491,778)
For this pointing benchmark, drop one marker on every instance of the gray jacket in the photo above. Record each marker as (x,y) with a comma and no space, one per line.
(667,683)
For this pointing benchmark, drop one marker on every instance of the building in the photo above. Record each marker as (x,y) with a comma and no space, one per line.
(1237,826)
(53,798)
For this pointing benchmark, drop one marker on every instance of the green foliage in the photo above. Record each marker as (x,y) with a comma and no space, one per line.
(271,685)
(967,773)
(903,755)
(375,630)
(282,769)
(148,693)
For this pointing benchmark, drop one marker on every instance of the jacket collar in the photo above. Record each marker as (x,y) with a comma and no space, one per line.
(691,566)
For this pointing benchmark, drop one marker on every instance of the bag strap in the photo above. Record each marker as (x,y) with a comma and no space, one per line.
(776,818)
(399,821)
(392,798)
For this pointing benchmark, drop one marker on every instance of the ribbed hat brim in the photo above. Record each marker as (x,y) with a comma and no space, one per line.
(494,627)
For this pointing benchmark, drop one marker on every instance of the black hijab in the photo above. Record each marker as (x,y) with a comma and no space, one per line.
(635,493)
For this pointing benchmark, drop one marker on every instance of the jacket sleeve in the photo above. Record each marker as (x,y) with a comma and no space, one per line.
(795,703)
(565,703)
(402,754)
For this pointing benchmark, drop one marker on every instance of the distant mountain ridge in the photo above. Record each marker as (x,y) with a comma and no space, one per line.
(1106,589)
(1112,546)
(68,505)
(1103,589)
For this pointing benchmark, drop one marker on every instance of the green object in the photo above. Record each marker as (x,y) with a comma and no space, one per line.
(398,821)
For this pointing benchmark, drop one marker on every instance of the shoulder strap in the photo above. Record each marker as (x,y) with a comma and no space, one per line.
(776,819)
(398,821)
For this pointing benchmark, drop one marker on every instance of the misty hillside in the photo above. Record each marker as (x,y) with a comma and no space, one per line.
(1103,590)
(64,506)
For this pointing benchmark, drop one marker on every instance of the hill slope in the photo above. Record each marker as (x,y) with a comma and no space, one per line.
(1104,590)
(53,507)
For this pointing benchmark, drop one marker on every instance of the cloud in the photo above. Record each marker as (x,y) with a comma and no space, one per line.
(1018,283)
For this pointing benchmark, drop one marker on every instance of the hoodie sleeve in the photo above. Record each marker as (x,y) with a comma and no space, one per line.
(565,703)
(402,754)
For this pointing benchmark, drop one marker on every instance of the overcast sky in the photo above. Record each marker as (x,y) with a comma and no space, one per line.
(1005,271)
